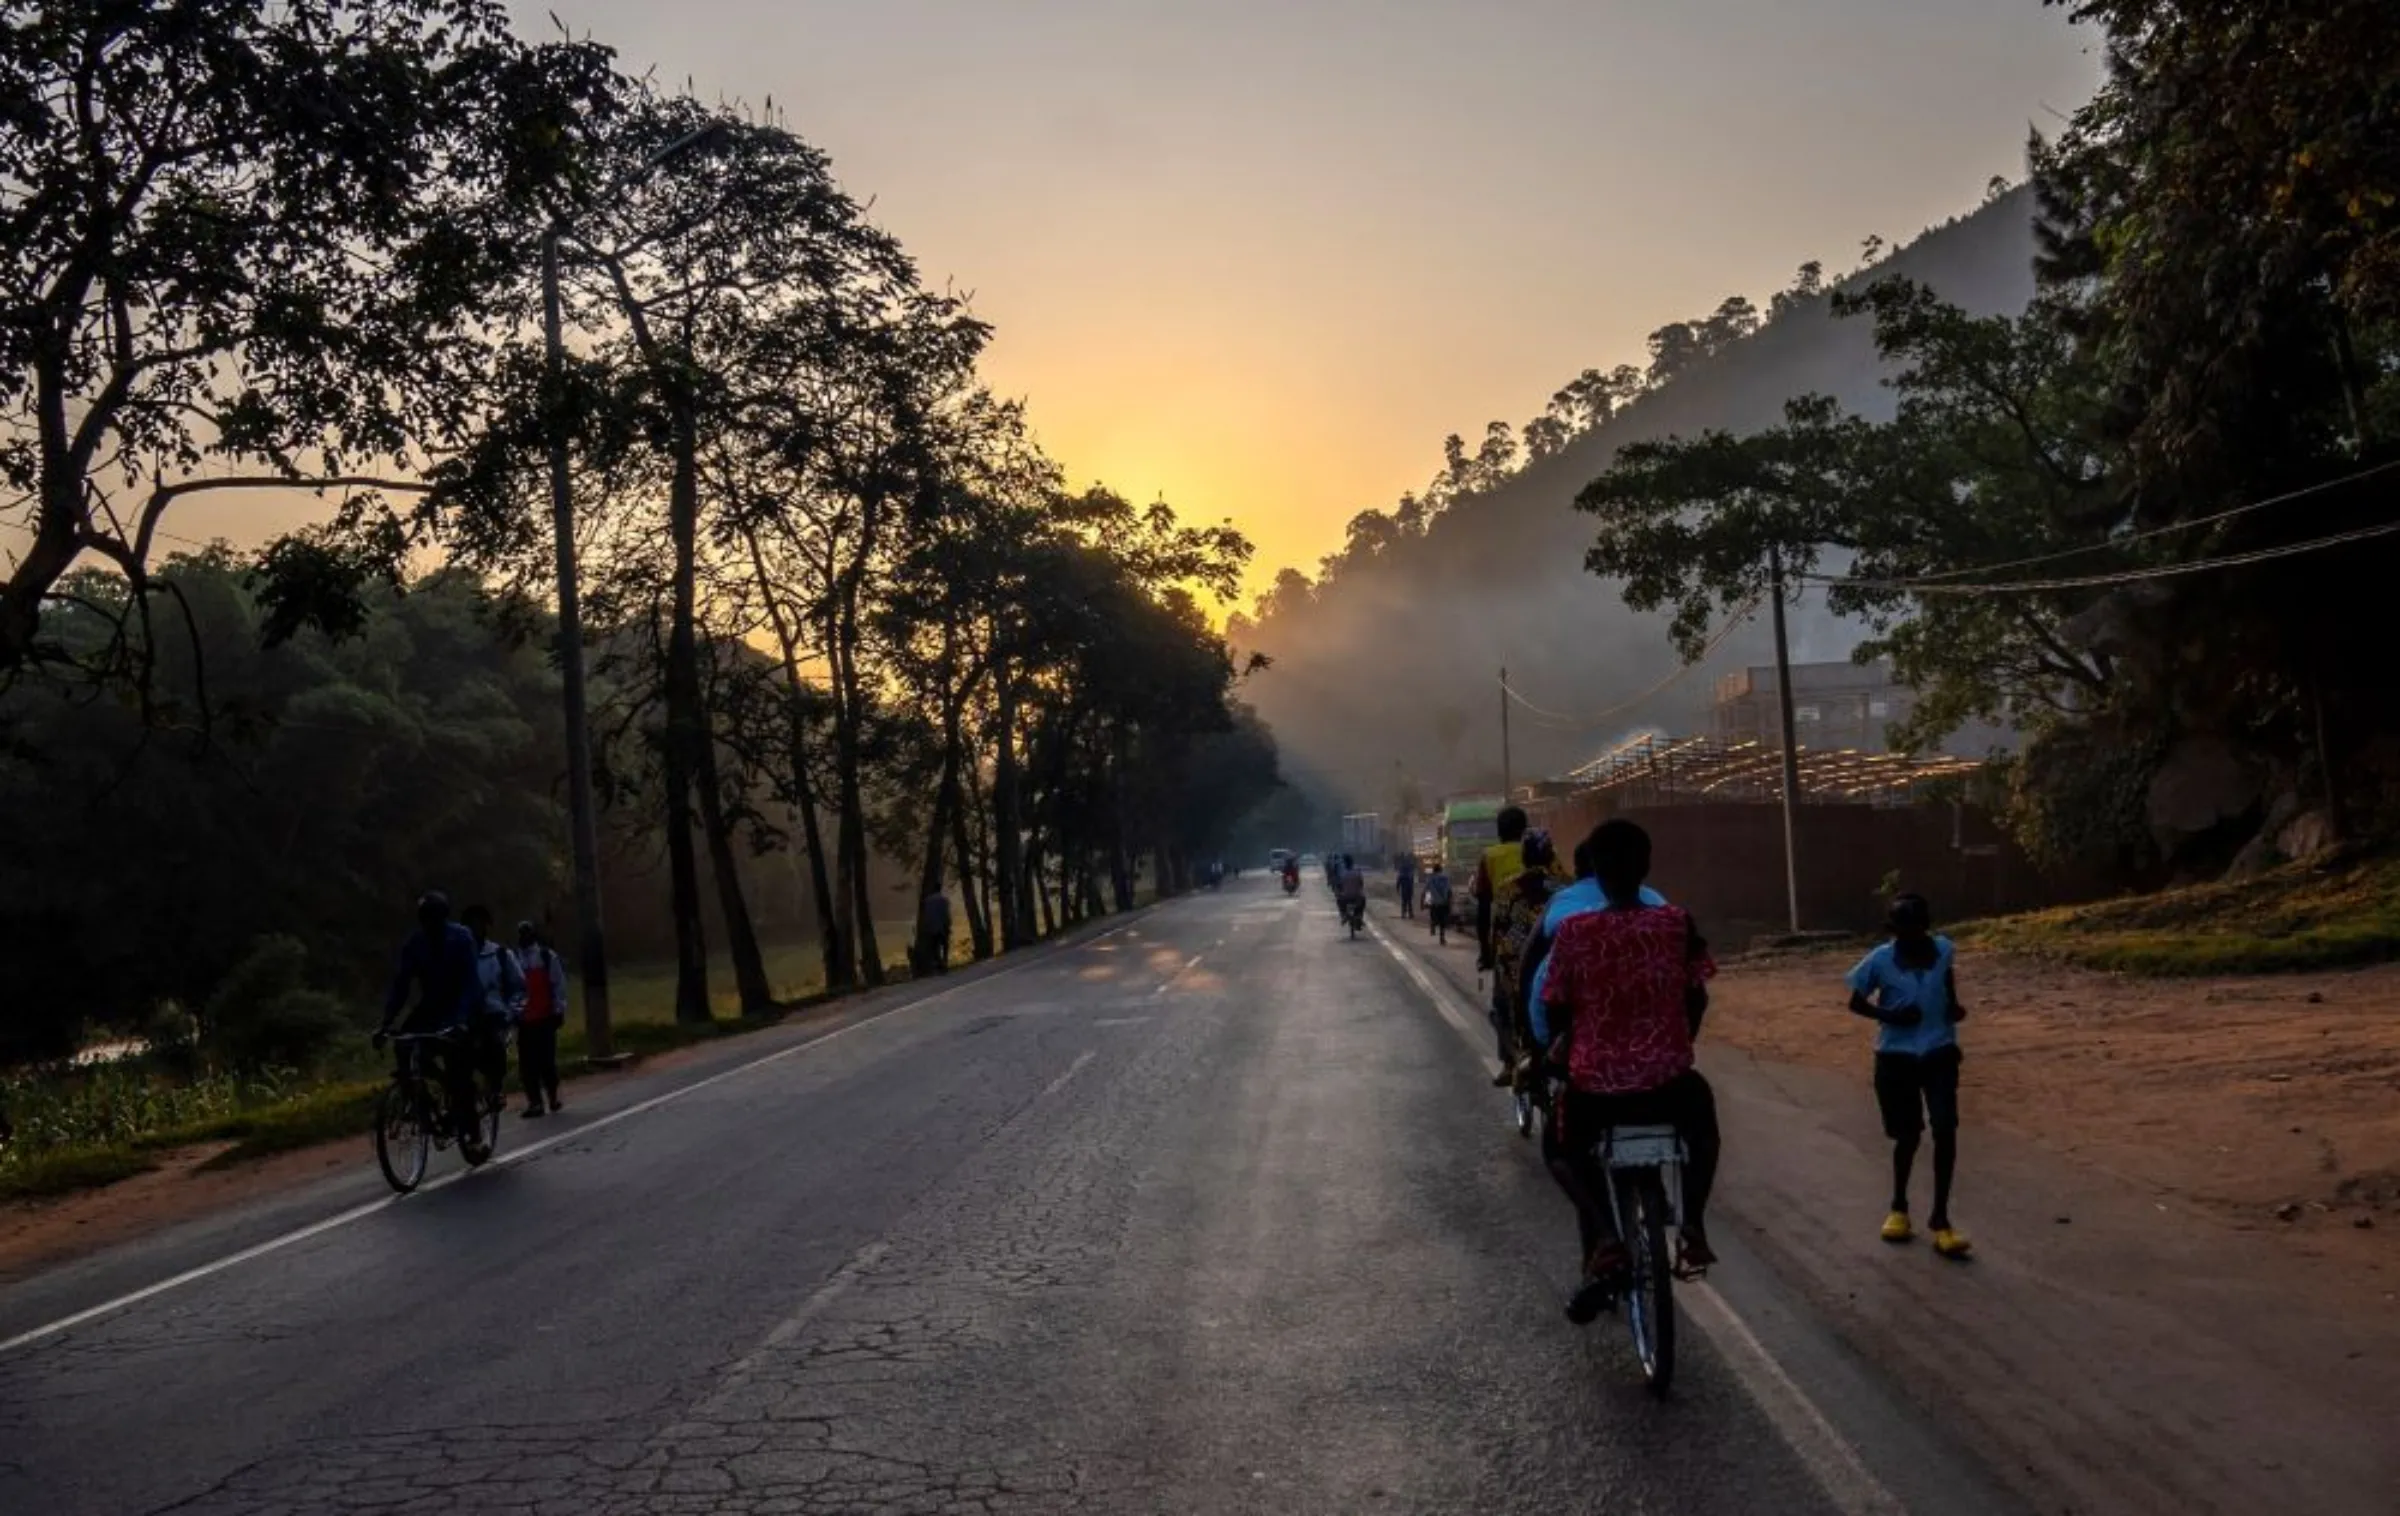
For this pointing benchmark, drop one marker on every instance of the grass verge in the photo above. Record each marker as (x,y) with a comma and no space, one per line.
(2339,912)
(331,1111)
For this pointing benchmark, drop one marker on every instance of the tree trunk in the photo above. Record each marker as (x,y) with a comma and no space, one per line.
(1016,916)
(841,969)
(970,877)
(850,811)
(686,727)
(924,949)
(741,935)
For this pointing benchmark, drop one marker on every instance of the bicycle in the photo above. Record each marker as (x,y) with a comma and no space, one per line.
(1645,1196)
(1529,1093)
(412,1117)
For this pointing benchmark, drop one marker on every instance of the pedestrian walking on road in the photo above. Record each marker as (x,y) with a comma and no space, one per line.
(1909,987)
(545,976)
(1437,902)
(1406,885)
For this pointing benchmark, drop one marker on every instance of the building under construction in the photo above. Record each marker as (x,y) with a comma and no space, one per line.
(1653,769)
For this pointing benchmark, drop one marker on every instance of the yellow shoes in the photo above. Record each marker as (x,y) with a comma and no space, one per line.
(1896,1227)
(1950,1242)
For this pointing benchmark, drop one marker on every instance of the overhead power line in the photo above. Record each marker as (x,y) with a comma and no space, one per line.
(1561,722)
(2157,531)
(1932,586)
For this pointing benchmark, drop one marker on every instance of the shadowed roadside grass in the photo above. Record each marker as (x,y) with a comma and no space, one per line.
(2338,913)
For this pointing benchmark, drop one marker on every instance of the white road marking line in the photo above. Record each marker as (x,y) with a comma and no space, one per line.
(1060,1083)
(836,1285)
(1189,964)
(517,1155)
(1828,1456)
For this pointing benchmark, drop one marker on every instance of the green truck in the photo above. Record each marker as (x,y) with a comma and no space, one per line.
(1470,823)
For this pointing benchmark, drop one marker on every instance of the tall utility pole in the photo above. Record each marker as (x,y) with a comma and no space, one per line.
(591,952)
(1791,752)
(1507,772)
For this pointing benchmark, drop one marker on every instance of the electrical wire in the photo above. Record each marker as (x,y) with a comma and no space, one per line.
(2161,531)
(2096,581)
(1559,722)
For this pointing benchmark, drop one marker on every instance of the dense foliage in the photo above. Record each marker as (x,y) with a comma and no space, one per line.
(838,601)
(2077,520)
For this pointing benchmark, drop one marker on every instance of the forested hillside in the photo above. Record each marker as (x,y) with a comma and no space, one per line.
(1384,665)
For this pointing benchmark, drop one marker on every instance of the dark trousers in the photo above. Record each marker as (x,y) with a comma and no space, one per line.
(490,1039)
(1408,899)
(537,1060)
(1685,1102)
(450,1068)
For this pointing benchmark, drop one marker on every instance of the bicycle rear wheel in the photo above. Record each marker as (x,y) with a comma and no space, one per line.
(1649,1295)
(403,1135)
(479,1138)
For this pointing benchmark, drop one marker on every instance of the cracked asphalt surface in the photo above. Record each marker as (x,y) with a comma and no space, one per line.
(1212,1213)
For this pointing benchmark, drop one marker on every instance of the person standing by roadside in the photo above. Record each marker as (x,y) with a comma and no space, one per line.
(545,975)
(503,1002)
(1909,987)
(1406,884)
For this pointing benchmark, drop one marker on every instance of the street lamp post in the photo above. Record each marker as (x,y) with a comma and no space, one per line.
(582,813)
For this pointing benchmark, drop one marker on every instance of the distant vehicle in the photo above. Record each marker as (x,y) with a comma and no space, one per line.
(1362,836)
(1309,860)
(1277,858)
(1469,824)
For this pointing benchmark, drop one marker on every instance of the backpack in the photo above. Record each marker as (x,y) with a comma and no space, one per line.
(1514,932)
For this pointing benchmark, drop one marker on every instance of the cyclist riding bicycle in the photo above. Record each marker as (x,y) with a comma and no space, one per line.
(439,962)
(1629,984)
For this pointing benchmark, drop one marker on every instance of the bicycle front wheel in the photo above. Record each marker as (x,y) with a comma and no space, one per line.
(403,1136)
(1649,1297)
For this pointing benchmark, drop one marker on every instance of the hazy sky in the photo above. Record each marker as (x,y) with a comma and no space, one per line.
(1261,255)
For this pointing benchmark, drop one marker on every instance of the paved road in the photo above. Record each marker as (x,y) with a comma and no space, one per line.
(1210,1213)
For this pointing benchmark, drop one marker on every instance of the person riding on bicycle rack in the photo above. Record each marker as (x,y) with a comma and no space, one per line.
(439,962)
(1624,989)
(1495,877)
(1523,901)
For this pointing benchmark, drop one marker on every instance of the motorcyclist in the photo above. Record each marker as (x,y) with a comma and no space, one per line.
(1350,890)
(1291,874)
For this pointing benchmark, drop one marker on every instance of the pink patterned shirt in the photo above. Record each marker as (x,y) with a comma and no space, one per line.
(1623,976)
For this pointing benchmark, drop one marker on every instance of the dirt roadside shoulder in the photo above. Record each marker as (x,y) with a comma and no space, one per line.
(2138,1331)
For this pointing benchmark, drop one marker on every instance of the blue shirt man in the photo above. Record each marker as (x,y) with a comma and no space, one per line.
(1893,986)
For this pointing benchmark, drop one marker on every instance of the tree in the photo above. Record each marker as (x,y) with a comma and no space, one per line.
(251,246)
(1989,458)
(2234,273)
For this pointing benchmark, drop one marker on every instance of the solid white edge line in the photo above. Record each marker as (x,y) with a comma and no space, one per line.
(1828,1456)
(515,1155)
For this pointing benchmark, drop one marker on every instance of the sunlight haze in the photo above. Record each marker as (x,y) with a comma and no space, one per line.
(1260,257)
